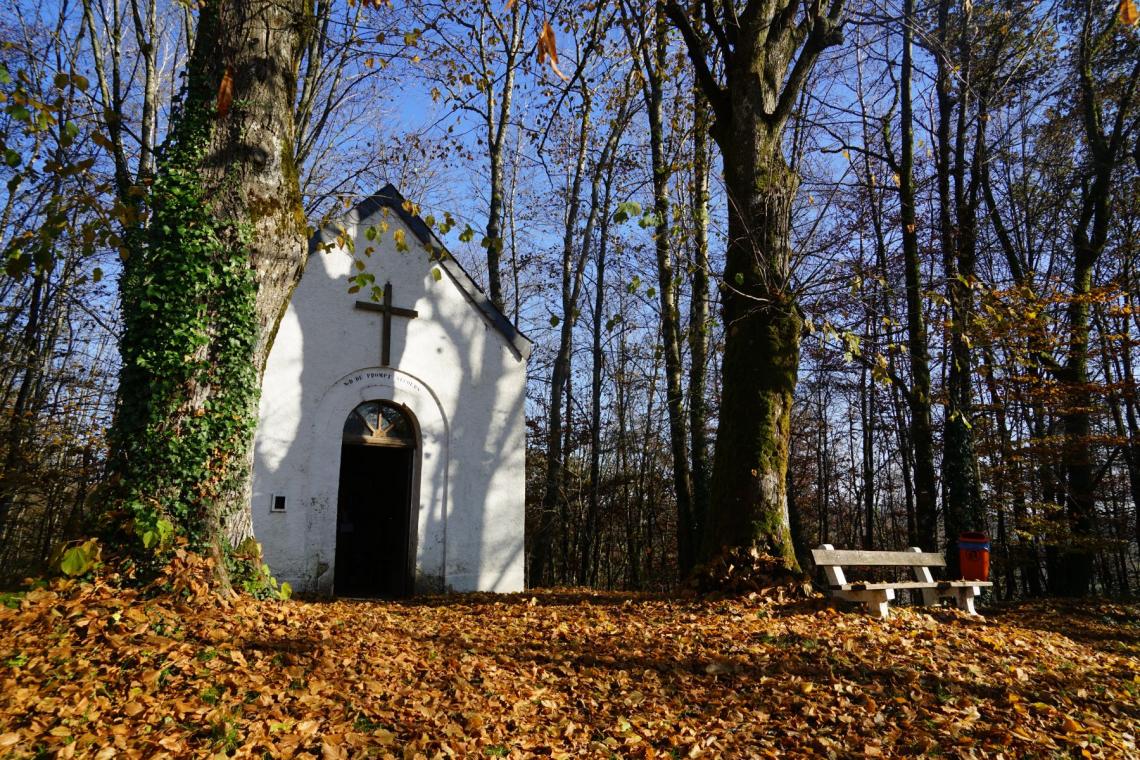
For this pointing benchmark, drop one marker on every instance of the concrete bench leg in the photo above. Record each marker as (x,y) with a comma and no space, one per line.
(966,596)
(875,600)
(878,602)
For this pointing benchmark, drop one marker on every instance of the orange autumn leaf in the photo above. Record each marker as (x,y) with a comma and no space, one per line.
(547,48)
(226,93)
(1128,13)
(510,5)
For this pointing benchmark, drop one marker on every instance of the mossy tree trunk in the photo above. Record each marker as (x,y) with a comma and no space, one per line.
(204,288)
(748,496)
(767,50)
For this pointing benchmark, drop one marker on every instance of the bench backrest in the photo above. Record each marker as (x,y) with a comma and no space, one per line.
(861,558)
(833,560)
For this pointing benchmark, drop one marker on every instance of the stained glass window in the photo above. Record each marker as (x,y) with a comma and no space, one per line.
(379,423)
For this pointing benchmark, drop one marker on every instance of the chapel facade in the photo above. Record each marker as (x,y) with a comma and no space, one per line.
(390,448)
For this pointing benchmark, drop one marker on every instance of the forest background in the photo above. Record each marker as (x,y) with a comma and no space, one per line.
(964,242)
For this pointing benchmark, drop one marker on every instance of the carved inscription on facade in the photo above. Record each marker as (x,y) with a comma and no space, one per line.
(384,377)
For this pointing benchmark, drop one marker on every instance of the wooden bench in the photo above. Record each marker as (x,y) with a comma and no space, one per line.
(876,596)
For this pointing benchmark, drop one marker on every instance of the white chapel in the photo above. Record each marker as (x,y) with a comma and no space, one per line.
(390,447)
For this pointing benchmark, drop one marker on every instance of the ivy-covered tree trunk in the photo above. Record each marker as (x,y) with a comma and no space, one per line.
(767,49)
(962,503)
(204,287)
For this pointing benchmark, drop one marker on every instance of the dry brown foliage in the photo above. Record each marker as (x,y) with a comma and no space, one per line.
(89,670)
(742,570)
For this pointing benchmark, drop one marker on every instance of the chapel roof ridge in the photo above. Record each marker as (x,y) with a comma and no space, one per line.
(389,197)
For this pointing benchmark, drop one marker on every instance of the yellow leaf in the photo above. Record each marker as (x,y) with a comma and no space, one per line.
(1128,13)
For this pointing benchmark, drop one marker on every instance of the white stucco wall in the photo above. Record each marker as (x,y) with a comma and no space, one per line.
(462,381)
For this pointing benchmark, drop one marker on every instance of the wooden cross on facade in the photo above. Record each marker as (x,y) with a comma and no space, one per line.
(388,310)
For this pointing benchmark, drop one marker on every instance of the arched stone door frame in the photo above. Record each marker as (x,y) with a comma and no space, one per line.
(430,495)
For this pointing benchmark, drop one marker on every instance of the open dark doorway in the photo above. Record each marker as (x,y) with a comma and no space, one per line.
(374,504)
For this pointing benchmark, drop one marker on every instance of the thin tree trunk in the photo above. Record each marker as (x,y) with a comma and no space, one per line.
(699,318)
(650,51)
(867,414)
(497,122)
(918,396)
(590,539)
(572,269)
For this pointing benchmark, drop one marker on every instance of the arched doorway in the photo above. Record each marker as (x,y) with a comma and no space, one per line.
(374,502)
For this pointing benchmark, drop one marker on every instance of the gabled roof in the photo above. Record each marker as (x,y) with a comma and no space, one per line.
(389,197)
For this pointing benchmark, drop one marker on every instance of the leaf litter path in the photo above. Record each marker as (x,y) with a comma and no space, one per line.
(94,671)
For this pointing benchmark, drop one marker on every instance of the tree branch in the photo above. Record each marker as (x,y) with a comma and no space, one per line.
(824,33)
(698,54)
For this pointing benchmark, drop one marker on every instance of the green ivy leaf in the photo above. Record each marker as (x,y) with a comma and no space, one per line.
(436,274)
(554,320)
(80,559)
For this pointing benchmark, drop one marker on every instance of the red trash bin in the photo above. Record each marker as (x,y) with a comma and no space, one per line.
(974,556)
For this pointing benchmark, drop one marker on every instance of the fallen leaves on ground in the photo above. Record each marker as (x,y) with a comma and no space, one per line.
(743,570)
(93,671)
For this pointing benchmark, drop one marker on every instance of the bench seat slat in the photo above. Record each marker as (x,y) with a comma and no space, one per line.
(861,558)
(857,586)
